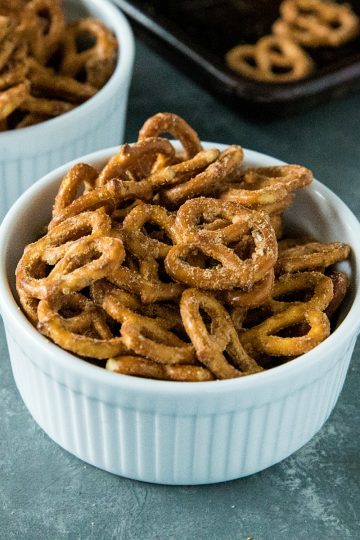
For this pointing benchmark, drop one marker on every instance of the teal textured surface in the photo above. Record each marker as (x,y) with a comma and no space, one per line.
(46,493)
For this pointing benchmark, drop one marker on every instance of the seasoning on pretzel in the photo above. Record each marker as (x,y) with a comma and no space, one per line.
(191,285)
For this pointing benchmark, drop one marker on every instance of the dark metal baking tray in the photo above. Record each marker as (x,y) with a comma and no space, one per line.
(195,34)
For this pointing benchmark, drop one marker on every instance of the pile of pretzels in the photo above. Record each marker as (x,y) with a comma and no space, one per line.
(49,66)
(303,24)
(172,264)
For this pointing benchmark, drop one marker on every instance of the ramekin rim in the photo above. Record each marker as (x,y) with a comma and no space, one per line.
(120,76)
(150,386)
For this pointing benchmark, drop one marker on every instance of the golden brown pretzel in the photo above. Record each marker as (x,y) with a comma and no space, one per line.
(109,196)
(85,332)
(177,127)
(321,288)
(317,23)
(273,59)
(43,24)
(140,243)
(80,176)
(98,60)
(147,338)
(48,84)
(311,256)
(264,337)
(194,217)
(256,296)
(135,162)
(340,284)
(143,367)
(210,346)
(13,98)
(86,261)
(212,178)
(232,271)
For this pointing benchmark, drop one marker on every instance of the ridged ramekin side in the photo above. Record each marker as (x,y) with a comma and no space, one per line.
(19,170)
(177,448)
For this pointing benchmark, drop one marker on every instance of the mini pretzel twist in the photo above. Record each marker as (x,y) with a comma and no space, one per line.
(210,346)
(311,256)
(230,271)
(85,333)
(177,127)
(317,23)
(264,338)
(143,367)
(273,59)
(98,60)
(43,22)
(211,179)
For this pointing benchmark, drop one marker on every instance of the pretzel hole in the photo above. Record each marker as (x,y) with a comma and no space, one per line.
(256,316)
(250,60)
(334,25)
(84,41)
(71,236)
(153,230)
(83,259)
(40,269)
(68,312)
(298,295)
(81,75)
(307,12)
(281,70)
(45,20)
(294,330)
(163,275)
(206,318)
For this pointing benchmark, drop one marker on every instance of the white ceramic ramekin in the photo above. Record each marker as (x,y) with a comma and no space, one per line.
(29,153)
(168,432)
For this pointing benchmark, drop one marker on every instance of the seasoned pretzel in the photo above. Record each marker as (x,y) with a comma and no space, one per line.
(140,243)
(145,282)
(311,256)
(98,60)
(46,83)
(321,288)
(256,296)
(134,162)
(147,338)
(317,23)
(84,332)
(16,68)
(291,177)
(180,172)
(142,367)
(340,285)
(177,127)
(273,59)
(210,346)
(264,339)
(58,240)
(12,98)
(195,217)
(80,176)
(86,261)
(114,192)
(122,305)
(213,177)
(44,25)
(232,271)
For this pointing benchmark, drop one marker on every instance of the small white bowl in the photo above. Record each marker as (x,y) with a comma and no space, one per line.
(29,153)
(169,432)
